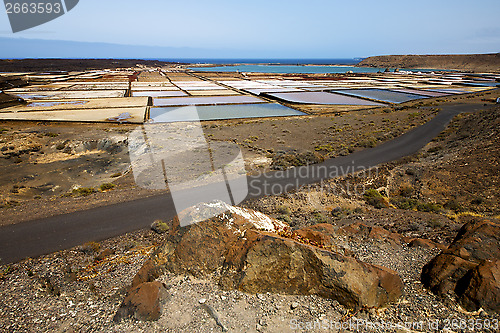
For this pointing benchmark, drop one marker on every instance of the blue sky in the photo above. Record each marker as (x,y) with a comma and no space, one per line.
(281,29)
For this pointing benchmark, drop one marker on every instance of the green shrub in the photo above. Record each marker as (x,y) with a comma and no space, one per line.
(106,187)
(318,217)
(405,203)
(375,199)
(413,204)
(406,190)
(4,271)
(285,218)
(283,160)
(430,207)
(83,191)
(368,143)
(453,205)
(160,227)
(325,147)
(285,210)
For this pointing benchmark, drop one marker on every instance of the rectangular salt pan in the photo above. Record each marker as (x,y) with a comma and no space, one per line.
(154,88)
(216,112)
(450,91)
(382,95)
(213,92)
(421,92)
(165,93)
(271,90)
(72,94)
(201,87)
(206,100)
(75,104)
(129,115)
(321,98)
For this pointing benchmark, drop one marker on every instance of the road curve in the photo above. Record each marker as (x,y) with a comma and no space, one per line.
(47,235)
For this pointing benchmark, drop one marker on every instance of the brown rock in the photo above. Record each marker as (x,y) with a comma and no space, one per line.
(480,238)
(285,266)
(363,231)
(142,302)
(281,265)
(441,274)
(480,287)
(456,269)
(202,249)
(220,240)
(148,273)
(322,234)
(255,253)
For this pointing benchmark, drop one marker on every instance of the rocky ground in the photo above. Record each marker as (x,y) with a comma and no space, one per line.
(81,289)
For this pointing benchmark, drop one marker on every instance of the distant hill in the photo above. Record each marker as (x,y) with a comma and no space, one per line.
(48,65)
(465,62)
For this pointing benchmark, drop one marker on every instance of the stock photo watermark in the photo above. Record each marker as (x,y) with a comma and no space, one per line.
(362,325)
(178,157)
(25,14)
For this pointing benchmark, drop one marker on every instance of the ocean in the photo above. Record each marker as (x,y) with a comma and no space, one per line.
(285,69)
(339,61)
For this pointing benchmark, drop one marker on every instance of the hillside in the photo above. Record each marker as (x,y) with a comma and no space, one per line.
(466,62)
(35,65)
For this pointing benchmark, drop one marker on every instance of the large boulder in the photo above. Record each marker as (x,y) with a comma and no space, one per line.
(442,273)
(255,253)
(144,296)
(142,302)
(480,287)
(206,246)
(149,272)
(468,267)
(281,265)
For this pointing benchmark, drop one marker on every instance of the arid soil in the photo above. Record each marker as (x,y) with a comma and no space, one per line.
(466,62)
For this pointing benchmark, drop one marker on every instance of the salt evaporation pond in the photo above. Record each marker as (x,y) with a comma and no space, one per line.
(218,112)
(381,95)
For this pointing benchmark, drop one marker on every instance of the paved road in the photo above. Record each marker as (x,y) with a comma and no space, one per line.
(38,237)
